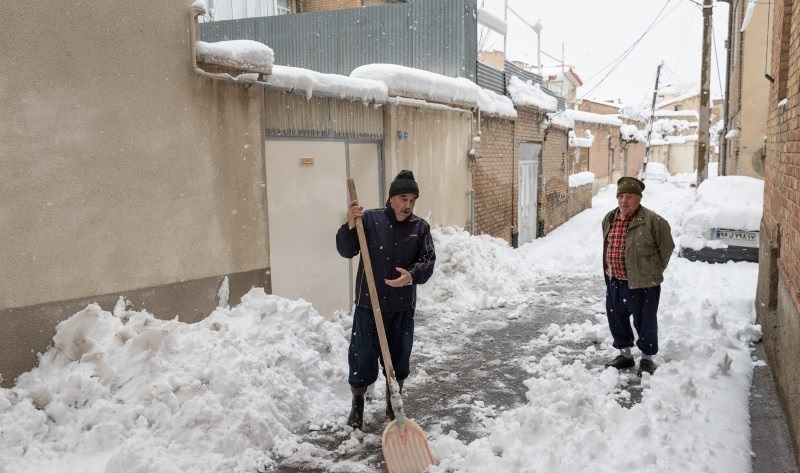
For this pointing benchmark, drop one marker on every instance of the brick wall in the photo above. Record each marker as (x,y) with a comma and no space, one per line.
(493,175)
(303,6)
(579,199)
(554,192)
(782,163)
(778,291)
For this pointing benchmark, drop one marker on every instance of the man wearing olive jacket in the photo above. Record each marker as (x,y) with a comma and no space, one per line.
(402,256)
(637,245)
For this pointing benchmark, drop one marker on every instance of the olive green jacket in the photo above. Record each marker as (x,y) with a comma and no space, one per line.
(648,247)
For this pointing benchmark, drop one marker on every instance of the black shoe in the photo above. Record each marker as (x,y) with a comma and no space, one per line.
(646,366)
(356,418)
(621,362)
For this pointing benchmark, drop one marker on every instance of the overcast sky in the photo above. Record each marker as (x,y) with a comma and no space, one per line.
(597,36)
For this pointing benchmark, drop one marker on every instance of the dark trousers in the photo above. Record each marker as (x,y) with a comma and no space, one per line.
(365,349)
(622,303)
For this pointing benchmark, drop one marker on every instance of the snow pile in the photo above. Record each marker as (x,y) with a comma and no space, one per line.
(138,394)
(467,280)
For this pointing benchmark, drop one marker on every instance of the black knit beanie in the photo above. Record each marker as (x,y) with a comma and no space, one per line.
(404,183)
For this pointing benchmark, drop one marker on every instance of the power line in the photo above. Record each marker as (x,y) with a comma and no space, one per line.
(618,61)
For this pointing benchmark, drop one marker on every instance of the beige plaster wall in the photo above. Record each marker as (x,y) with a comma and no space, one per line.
(755,96)
(121,168)
(435,150)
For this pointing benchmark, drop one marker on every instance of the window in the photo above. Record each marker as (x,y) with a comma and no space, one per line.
(283,7)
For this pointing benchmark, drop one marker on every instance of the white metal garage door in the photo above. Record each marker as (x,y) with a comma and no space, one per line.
(528,179)
(306,203)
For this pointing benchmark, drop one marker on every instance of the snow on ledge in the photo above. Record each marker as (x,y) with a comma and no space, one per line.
(732,134)
(294,78)
(528,93)
(241,54)
(581,178)
(416,83)
(589,117)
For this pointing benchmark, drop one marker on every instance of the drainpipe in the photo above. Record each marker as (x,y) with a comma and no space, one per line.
(723,146)
(194,12)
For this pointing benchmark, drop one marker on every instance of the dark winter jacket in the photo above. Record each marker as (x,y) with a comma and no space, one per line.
(648,247)
(407,244)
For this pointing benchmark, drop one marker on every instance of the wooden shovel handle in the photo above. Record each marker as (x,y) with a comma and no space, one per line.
(373,291)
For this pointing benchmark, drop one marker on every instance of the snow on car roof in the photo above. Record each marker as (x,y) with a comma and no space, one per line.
(733,202)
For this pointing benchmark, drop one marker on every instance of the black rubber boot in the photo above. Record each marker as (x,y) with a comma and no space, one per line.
(356,418)
(389,410)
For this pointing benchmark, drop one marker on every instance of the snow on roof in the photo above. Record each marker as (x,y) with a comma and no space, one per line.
(370,83)
(589,117)
(494,103)
(677,113)
(528,93)
(415,83)
(603,102)
(631,133)
(293,78)
(677,99)
(243,53)
(732,202)
(561,120)
(559,72)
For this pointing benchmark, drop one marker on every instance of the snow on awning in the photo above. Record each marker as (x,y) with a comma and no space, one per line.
(732,134)
(242,55)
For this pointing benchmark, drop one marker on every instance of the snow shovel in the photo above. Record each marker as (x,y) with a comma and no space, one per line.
(405,448)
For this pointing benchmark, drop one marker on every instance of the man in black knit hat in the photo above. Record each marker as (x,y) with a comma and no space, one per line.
(402,256)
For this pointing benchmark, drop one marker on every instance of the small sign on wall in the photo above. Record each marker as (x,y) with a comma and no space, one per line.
(306,161)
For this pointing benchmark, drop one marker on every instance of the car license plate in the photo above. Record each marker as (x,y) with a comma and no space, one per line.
(736,237)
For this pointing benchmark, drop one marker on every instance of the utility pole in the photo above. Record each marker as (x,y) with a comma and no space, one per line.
(650,125)
(705,96)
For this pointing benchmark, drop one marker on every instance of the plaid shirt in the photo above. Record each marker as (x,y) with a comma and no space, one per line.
(615,251)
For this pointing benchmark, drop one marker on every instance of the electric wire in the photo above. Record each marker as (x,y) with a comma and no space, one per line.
(619,60)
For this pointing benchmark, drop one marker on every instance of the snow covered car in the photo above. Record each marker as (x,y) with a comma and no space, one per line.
(655,172)
(722,224)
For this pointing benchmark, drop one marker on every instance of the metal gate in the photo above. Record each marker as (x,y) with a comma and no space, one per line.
(528,190)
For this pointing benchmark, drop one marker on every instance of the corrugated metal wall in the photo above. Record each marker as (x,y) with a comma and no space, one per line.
(433,35)
(497,81)
(321,117)
(491,79)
